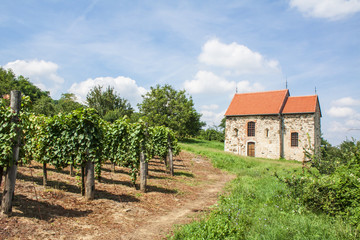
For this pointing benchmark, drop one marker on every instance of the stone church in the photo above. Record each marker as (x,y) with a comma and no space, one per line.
(273,125)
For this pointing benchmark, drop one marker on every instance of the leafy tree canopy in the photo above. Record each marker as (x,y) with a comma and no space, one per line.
(9,81)
(108,103)
(164,106)
(67,103)
(45,105)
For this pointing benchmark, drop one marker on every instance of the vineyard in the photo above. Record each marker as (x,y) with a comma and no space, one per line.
(52,171)
(80,140)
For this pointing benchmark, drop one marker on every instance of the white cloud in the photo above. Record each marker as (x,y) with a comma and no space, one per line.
(341,112)
(338,127)
(125,87)
(236,58)
(245,86)
(208,82)
(210,107)
(330,9)
(212,118)
(42,74)
(354,122)
(347,101)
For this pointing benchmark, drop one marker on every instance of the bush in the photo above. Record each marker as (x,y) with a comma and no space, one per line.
(332,184)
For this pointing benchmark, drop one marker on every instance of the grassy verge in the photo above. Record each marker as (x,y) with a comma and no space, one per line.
(258,206)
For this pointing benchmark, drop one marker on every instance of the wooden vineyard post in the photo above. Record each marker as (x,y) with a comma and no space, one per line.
(71,170)
(44,175)
(82,181)
(11,171)
(1,174)
(146,162)
(90,180)
(171,162)
(165,162)
(142,171)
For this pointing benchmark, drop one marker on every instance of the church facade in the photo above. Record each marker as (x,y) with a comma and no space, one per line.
(273,125)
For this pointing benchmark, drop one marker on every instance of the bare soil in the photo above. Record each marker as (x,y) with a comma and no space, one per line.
(119,211)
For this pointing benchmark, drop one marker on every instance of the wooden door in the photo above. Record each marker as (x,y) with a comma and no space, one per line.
(251,149)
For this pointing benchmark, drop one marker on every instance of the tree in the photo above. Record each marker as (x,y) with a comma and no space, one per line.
(42,102)
(164,106)
(109,105)
(27,88)
(45,105)
(9,81)
(67,103)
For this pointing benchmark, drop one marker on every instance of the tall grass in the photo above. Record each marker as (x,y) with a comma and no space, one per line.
(257,206)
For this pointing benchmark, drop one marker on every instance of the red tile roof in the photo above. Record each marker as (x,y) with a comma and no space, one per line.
(304,104)
(257,103)
(272,102)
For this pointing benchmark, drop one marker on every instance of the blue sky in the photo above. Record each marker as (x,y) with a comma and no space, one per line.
(208,48)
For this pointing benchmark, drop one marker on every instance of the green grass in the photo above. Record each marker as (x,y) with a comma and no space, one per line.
(258,205)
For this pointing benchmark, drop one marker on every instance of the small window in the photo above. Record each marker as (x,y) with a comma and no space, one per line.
(294,139)
(267,132)
(251,129)
(236,132)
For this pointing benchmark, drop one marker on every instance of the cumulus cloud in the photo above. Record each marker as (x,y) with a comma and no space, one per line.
(338,127)
(341,112)
(246,86)
(347,109)
(125,87)
(42,73)
(208,82)
(210,107)
(329,9)
(347,101)
(354,122)
(211,117)
(236,58)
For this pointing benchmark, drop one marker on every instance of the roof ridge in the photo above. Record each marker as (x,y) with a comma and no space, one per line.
(303,96)
(250,93)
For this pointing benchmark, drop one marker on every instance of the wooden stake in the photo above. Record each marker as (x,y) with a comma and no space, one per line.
(142,172)
(71,170)
(44,175)
(171,163)
(82,181)
(1,174)
(90,181)
(11,171)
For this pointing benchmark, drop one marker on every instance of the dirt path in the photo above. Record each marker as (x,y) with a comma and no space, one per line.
(162,225)
(119,211)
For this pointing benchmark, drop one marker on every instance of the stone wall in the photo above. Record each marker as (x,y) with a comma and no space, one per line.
(317,130)
(304,125)
(266,139)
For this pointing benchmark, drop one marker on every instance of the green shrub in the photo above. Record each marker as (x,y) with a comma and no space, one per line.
(257,205)
(332,184)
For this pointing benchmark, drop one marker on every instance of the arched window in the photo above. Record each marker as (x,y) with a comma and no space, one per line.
(294,139)
(236,131)
(251,129)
